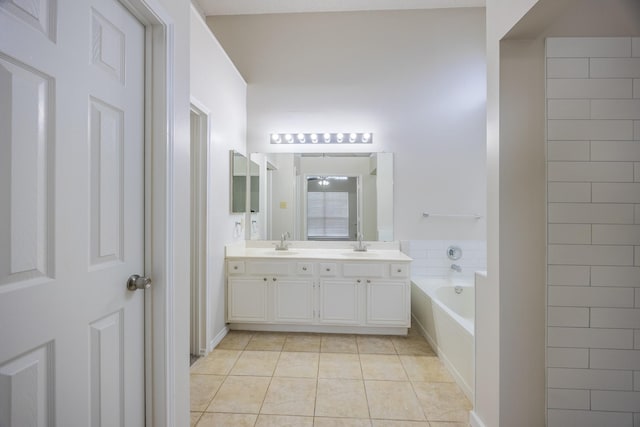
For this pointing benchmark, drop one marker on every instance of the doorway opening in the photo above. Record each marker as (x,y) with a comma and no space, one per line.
(199,131)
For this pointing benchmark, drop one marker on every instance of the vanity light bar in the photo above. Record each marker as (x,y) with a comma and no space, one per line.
(322,138)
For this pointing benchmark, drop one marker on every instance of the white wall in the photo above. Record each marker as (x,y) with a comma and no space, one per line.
(216,85)
(594,222)
(416,79)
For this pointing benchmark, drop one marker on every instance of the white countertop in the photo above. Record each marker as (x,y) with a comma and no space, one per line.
(342,251)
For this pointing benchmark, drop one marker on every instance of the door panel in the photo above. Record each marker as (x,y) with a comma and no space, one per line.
(71,213)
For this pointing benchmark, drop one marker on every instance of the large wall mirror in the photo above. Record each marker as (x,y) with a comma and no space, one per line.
(326,196)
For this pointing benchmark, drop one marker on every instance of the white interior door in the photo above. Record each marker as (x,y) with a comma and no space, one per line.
(71,213)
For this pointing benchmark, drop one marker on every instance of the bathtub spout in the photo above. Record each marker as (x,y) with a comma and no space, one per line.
(456,267)
(458,289)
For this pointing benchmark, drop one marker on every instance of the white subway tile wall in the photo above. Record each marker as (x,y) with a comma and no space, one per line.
(593,193)
(430,257)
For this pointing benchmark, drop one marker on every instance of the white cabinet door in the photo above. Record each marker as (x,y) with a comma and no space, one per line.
(248,298)
(388,302)
(71,214)
(293,301)
(340,302)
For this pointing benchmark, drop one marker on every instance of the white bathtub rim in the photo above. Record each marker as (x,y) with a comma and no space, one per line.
(429,284)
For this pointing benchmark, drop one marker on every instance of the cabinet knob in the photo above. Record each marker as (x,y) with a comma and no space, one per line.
(265,279)
(274,279)
(328,269)
(399,270)
(235,267)
(358,280)
(304,268)
(368,281)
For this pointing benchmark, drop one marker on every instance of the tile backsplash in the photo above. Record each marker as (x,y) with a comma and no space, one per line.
(430,257)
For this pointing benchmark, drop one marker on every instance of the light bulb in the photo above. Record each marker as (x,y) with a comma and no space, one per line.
(352,137)
(276,138)
(314,138)
(366,137)
(340,137)
(289,138)
(301,138)
(327,138)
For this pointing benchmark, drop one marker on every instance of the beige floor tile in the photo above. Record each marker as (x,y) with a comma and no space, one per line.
(202,389)
(375,345)
(219,420)
(195,416)
(339,344)
(257,363)
(393,400)
(297,364)
(339,365)
(266,341)
(341,398)
(412,345)
(218,362)
(442,401)
(425,368)
(242,395)
(283,421)
(395,423)
(382,367)
(340,422)
(290,396)
(235,340)
(444,424)
(302,342)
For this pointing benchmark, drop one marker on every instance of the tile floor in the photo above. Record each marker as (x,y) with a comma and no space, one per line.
(284,379)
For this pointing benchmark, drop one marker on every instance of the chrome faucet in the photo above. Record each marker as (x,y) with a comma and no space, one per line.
(360,247)
(456,267)
(283,245)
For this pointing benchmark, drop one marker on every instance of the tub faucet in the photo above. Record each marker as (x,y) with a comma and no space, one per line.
(360,247)
(283,245)
(456,267)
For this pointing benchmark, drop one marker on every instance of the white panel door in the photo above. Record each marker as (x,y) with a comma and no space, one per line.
(71,213)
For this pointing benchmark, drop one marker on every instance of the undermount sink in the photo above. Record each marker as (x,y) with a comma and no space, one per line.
(287,252)
(360,254)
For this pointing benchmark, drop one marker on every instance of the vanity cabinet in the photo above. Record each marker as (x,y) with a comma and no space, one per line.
(314,295)
(339,302)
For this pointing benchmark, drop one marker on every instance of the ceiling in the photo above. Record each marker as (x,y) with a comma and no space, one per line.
(252,7)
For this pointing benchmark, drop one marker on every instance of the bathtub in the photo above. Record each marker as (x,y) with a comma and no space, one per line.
(445,318)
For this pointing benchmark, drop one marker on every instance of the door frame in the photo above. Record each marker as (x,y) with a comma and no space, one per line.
(200,243)
(159,311)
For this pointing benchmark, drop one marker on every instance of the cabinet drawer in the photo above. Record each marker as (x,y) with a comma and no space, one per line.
(363,270)
(269,267)
(304,268)
(236,267)
(328,269)
(399,270)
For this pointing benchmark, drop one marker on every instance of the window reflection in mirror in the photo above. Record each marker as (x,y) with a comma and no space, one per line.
(332,207)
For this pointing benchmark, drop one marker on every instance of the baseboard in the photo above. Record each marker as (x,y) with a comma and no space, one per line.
(216,340)
(474,420)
